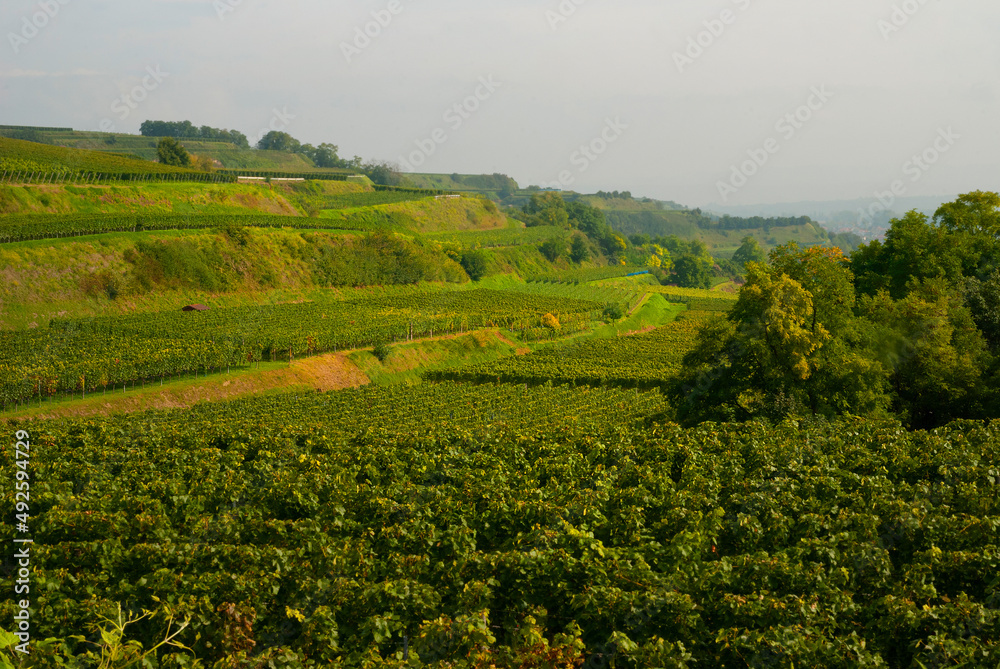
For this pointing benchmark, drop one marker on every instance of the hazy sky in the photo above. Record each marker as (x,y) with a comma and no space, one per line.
(662,115)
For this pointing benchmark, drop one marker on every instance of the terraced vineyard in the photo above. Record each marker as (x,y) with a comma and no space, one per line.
(494,528)
(25,227)
(646,360)
(30,162)
(583,275)
(697,299)
(102,353)
(625,296)
(370,199)
(471,239)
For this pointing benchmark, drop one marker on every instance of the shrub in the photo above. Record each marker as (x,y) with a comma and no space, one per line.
(551,322)
(381,351)
(613,312)
(170,152)
(474,264)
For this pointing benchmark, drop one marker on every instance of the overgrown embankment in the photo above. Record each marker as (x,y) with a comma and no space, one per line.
(113,273)
(157,198)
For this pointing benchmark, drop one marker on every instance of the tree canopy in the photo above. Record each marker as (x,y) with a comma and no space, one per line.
(908,327)
(170,152)
(749,251)
(187,130)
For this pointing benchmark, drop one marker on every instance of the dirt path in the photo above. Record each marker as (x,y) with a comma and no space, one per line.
(331,371)
(323,372)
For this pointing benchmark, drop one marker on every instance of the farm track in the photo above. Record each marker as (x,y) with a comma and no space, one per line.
(325,372)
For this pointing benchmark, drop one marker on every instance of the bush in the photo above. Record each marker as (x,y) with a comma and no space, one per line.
(551,322)
(381,351)
(553,249)
(474,264)
(613,312)
(237,233)
(170,152)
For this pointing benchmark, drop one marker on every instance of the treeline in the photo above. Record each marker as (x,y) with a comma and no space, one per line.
(908,328)
(614,195)
(752,223)
(501,184)
(187,130)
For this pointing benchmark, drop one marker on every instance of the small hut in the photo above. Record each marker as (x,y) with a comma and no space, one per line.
(195,307)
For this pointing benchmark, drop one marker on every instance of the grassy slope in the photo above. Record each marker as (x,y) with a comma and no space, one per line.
(437,215)
(59,158)
(406,362)
(288,199)
(467,182)
(317,195)
(43,279)
(177,198)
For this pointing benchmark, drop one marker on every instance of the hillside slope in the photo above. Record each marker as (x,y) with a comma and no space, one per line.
(226,154)
(21,156)
(163,198)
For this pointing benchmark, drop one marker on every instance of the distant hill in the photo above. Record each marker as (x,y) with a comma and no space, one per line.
(225,154)
(496,185)
(842,215)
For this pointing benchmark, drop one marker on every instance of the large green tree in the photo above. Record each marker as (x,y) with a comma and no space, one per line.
(547,208)
(935,355)
(774,356)
(475,264)
(554,248)
(580,250)
(278,141)
(749,251)
(693,271)
(962,240)
(170,152)
(983,300)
